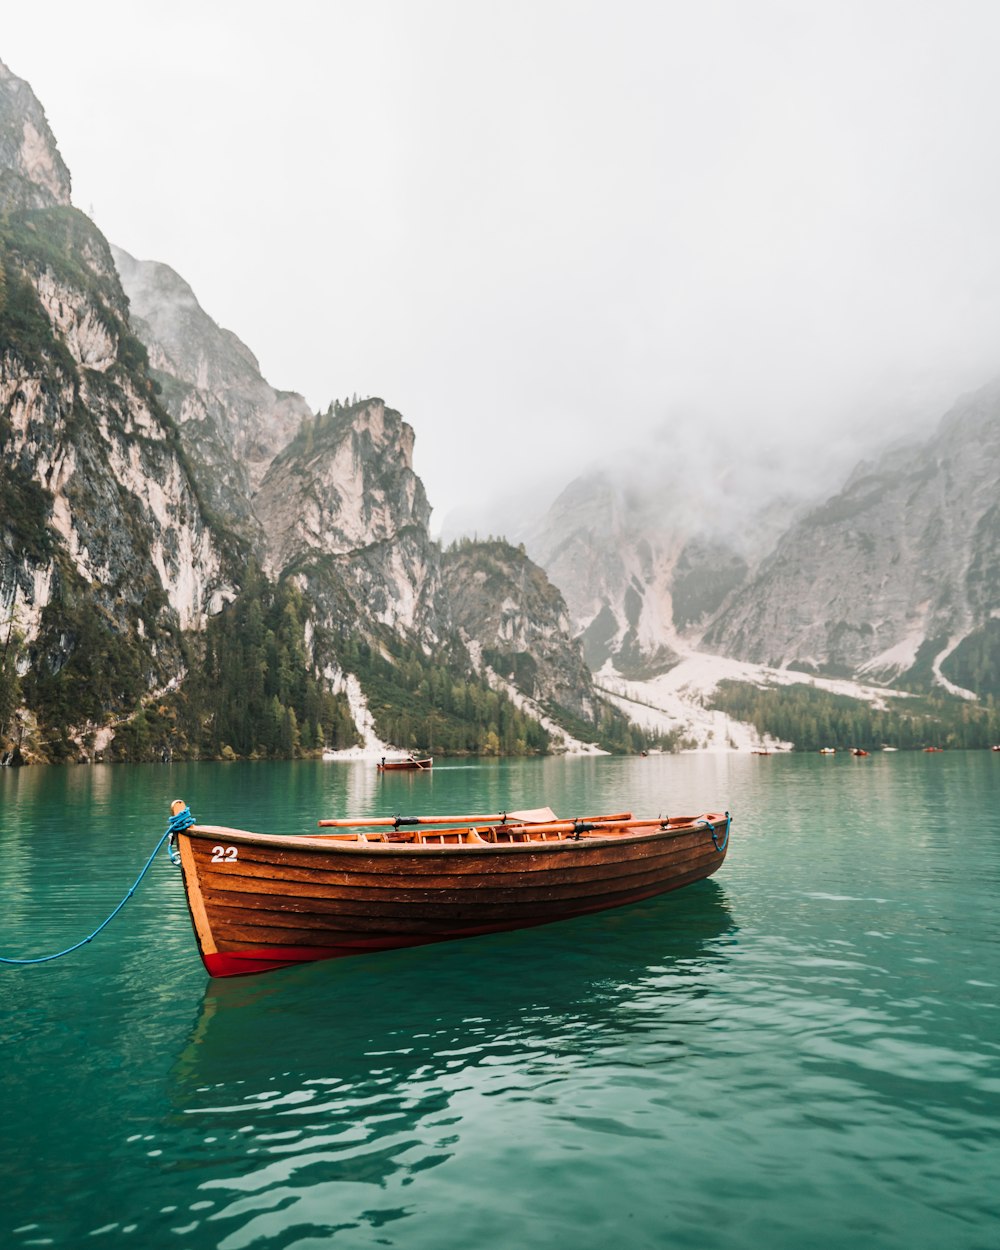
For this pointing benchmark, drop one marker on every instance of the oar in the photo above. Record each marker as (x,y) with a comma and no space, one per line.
(602,825)
(399,822)
(606,824)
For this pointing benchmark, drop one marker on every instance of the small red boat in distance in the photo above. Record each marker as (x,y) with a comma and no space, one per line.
(410,763)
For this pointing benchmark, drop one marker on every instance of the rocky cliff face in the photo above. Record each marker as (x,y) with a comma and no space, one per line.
(332,499)
(897,576)
(32,173)
(638,574)
(233,423)
(343,512)
(105,553)
(511,615)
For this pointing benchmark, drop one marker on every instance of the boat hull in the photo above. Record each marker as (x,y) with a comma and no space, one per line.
(259,902)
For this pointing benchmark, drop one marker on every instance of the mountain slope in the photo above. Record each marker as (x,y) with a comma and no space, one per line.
(516,622)
(344,513)
(895,578)
(191,561)
(232,421)
(33,174)
(643,570)
(105,552)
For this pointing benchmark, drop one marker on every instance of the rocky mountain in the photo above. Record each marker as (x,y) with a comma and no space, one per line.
(32,173)
(106,553)
(516,623)
(641,576)
(345,514)
(232,421)
(889,584)
(330,499)
(895,578)
(190,559)
(339,511)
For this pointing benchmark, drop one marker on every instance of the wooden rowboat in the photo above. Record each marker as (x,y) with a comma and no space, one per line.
(260,901)
(411,763)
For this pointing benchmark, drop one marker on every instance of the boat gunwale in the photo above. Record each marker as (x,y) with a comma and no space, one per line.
(324,843)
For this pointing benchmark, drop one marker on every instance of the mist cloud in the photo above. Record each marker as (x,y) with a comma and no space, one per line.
(549,232)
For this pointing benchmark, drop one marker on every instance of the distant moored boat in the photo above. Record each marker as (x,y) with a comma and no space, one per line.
(411,763)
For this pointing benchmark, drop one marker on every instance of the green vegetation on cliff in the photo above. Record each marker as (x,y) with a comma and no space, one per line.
(249,692)
(252,691)
(434,704)
(975,662)
(85,664)
(10,685)
(505,602)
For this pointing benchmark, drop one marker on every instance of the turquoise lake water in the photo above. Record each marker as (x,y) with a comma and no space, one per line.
(803,1051)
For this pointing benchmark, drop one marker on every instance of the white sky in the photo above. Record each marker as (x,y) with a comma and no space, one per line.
(544,230)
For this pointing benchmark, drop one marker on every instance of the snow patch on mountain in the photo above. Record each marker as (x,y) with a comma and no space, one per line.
(676,701)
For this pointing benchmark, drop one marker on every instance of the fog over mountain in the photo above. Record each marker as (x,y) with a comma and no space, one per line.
(756,483)
(761,235)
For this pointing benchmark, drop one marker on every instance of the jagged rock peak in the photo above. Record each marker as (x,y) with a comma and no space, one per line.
(32,172)
(182,338)
(345,482)
(506,607)
(234,422)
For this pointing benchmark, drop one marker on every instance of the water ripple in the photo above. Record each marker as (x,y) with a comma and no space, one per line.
(802,1051)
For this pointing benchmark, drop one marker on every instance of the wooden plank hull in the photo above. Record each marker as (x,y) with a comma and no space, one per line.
(390,766)
(260,902)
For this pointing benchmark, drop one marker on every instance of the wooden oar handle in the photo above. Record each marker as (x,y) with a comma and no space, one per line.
(504,818)
(401,821)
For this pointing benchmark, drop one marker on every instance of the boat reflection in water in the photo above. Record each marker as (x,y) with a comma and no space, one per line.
(586,973)
(332,1087)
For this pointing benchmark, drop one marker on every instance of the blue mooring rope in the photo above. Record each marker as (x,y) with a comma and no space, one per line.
(176,824)
(719,846)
